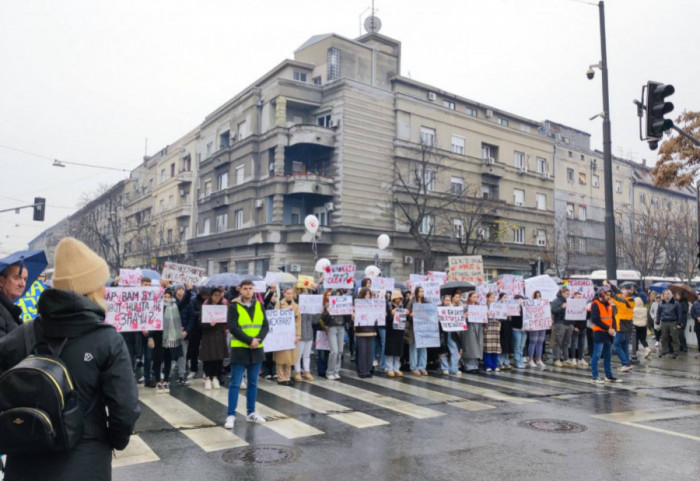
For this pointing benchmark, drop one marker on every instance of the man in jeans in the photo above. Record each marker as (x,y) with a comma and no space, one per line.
(624,326)
(603,332)
(669,316)
(562,329)
(248,326)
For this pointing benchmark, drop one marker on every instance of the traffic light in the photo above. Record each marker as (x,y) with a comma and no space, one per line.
(533,269)
(39,208)
(657,107)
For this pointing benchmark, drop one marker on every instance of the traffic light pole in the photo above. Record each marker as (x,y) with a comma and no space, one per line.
(610,250)
(17,209)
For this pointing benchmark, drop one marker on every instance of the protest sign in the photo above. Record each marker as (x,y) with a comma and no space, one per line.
(415,279)
(272,278)
(384,283)
(498,310)
(340,305)
(478,314)
(465,269)
(214,313)
(129,277)
(340,276)
(452,318)
(28,302)
(400,319)
(426,330)
(135,308)
(259,286)
(537,315)
(378,294)
(513,307)
(283,332)
(370,312)
(305,282)
(483,290)
(311,303)
(513,285)
(583,286)
(182,274)
(576,309)
(437,276)
(431,291)
(545,284)
(322,343)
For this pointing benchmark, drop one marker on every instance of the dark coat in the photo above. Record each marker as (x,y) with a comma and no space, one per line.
(188,315)
(10,315)
(558,311)
(107,376)
(507,336)
(212,346)
(394,337)
(245,355)
(668,312)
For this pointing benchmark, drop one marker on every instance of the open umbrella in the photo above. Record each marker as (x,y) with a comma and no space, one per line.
(34,261)
(659,287)
(150,273)
(685,290)
(225,279)
(451,287)
(628,284)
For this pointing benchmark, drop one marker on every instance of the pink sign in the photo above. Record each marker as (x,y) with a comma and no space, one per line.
(131,309)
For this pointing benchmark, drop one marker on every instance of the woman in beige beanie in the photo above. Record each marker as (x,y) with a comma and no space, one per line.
(98,363)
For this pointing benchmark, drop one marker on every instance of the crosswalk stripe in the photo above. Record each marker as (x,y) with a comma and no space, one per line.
(214,438)
(317,404)
(480,391)
(423,392)
(175,412)
(656,414)
(137,452)
(581,379)
(276,421)
(568,385)
(386,402)
(502,381)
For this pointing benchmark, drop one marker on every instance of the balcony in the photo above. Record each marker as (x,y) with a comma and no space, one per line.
(309,183)
(184,210)
(311,134)
(185,176)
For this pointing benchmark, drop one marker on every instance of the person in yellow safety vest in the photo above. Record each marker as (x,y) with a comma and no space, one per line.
(603,333)
(248,326)
(624,302)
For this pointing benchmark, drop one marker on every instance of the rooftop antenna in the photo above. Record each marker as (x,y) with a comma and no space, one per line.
(372,23)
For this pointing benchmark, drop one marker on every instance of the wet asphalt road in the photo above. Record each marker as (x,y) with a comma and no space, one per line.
(439,428)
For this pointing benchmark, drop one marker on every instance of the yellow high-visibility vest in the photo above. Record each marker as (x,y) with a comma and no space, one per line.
(251,327)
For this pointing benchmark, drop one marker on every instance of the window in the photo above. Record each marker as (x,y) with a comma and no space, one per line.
(458,228)
(484,232)
(471,112)
(595,181)
(170,236)
(580,244)
(221,222)
(322,215)
(570,243)
(518,159)
(569,175)
(161,205)
(485,191)
(541,201)
(210,149)
(222,181)
(643,198)
(241,267)
(427,136)
(541,238)
(300,76)
(519,235)
(333,71)
(525,128)
(317,80)
(569,211)
(324,120)
(581,178)
(238,219)
(456,185)
(161,238)
(207,227)
(240,173)
(571,154)
(426,226)
(429,180)
(618,186)
(582,212)
(489,152)
(185,233)
(224,139)
(207,188)
(171,201)
(223,267)
(261,266)
(162,176)
(503,122)
(448,104)
(655,202)
(519,197)
(172,170)
(541,165)
(458,144)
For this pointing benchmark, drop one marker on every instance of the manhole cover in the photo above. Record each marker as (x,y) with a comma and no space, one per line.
(552,426)
(263,455)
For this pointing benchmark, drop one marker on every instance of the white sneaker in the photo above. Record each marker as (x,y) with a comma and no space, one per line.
(558,363)
(230,420)
(375,363)
(191,375)
(624,368)
(207,384)
(582,363)
(541,364)
(215,384)
(648,352)
(255,418)
(532,364)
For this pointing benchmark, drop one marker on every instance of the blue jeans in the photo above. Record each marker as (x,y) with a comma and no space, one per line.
(453,365)
(251,393)
(417,357)
(519,339)
(393,363)
(605,349)
(379,343)
(622,347)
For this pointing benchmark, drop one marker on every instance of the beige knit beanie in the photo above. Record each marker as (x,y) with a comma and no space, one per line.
(77,268)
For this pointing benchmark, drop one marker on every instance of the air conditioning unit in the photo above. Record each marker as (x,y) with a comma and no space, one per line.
(432,96)
(334,124)
(329,206)
(233,136)
(522,170)
(258,203)
(182,192)
(408,260)
(489,113)
(490,161)
(295,268)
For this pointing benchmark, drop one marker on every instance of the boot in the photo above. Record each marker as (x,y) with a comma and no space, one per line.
(308,376)
(297,376)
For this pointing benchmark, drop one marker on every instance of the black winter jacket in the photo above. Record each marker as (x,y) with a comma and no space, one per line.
(558,311)
(9,315)
(99,364)
(668,312)
(245,355)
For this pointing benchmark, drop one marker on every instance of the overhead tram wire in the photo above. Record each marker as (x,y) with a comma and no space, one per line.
(63,163)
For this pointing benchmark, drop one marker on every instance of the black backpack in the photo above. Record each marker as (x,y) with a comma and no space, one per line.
(39,408)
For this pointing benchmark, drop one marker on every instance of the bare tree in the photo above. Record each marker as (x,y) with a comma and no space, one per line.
(561,240)
(642,243)
(680,243)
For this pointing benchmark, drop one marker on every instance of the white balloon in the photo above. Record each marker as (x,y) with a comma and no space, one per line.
(383,241)
(311,223)
(322,264)
(372,271)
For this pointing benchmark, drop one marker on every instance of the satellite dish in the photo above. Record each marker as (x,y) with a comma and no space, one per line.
(373,24)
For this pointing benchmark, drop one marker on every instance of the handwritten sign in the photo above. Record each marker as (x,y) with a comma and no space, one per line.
(547,287)
(340,305)
(370,312)
(305,282)
(272,278)
(259,286)
(378,294)
(576,309)
(451,318)
(340,276)
(322,342)
(583,286)
(129,277)
(132,309)
(483,290)
(465,269)
(282,334)
(311,303)
(182,274)
(498,310)
(384,283)
(513,307)
(426,330)
(513,285)
(214,313)
(537,315)
(400,319)
(415,279)
(431,291)
(28,302)
(478,314)
(437,276)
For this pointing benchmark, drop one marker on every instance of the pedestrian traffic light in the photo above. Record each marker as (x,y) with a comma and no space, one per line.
(39,208)
(657,107)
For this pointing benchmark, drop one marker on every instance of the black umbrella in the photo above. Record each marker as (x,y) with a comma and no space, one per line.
(451,287)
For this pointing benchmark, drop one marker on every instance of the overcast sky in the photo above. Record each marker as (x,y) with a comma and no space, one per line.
(89,81)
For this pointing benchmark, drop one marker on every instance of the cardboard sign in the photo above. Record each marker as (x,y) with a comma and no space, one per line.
(214,313)
(537,315)
(340,305)
(28,302)
(498,310)
(465,269)
(340,276)
(311,303)
(513,307)
(259,286)
(322,343)
(370,311)
(132,309)
(305,282)
(272,278)
(426,329)
(483,290)
(437,276)
(415,279)
(129,277)
(576,309)
(431,291)
(513,285)
(452,318)
(378,294)
(584,286)
(384,283)
(283,332)
(399,323)
(547,287)
(478,314)
(182,274)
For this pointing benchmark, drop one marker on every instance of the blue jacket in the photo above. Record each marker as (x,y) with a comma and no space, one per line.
(669,311)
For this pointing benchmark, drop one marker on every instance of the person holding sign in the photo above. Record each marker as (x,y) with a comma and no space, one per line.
(519,336)
(603,334)
(578,339)
(285,359)
(562,329)
(395,328)
(213,345)
(418,357)
(472,338)
(492,338)
(335,326)
(506,337)
(536,346)
(450,342)
(364,341)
